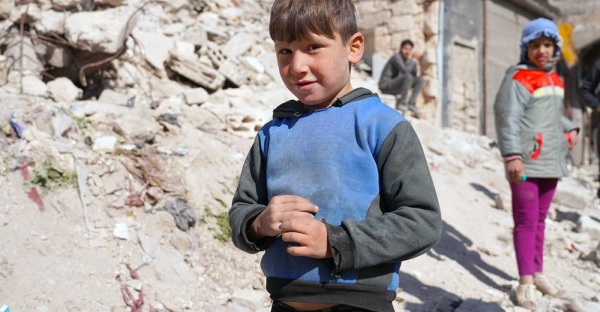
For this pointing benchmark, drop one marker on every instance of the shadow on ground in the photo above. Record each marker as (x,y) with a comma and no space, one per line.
(453,245)
(439,300)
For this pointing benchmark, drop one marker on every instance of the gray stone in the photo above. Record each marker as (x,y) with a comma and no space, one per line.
(112,3)
(105,144)
(589,225)
(570,195)
(33,85)
(51,22)
(196,35)
(249,298)
(113,97)
(195,96)
(26,58)
(58,57)
(61,122)
(156,47)
(197,72)
(91,30)
(65,4)
(32,13)
(137,128)
(63,89)
(6,7)
(239,44)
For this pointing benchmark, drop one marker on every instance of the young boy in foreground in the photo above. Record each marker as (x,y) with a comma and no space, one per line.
(335,188)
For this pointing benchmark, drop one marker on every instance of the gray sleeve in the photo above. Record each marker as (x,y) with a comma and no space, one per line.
(508,109)
(411,221)
(249,201)
(568,125)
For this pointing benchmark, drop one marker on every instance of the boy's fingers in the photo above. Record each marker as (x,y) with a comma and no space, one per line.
(299,251)
(283,199)
(294,237)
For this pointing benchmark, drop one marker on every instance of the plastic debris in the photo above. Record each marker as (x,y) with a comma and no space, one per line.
(33,194)
(184,216)
(16,126)
(120,231)
(131,101)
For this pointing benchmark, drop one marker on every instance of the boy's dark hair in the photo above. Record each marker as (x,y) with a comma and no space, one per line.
(297,19)
(405,42)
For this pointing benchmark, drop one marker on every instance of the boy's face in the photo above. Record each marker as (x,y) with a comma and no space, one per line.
(317,70)
(540,51)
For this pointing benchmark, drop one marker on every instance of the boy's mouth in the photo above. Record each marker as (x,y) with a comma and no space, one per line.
(302,85)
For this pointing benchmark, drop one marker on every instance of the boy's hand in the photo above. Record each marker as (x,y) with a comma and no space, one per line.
(310,233)
(281,209)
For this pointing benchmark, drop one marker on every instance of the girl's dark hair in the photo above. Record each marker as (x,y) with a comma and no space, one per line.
(297,19)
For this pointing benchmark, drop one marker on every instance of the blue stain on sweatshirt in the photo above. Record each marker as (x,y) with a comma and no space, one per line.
(329,157)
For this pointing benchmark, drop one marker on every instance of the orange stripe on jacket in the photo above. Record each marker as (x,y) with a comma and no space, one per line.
(535,79)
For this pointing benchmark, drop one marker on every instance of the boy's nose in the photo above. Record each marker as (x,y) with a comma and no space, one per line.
(299,63)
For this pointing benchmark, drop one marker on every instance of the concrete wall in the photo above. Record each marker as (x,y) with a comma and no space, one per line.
(462,74)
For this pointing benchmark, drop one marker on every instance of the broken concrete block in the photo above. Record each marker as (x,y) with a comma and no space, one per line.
(33,85)
(249,298)
(6,7)
(51,22)
(59,57)
(91,30)
(3,70)
(62,122)
(237,74)
(112,3)
(570,194)
(63,89)
(214,52)
(105,144)
(197,72)
(195,96)
(137,128)
(185,49)
(21,53)
(587,224)
(65,4)
(32,13)
(156,47)
(113,97)
(196,35)
(239,44)
(253,63)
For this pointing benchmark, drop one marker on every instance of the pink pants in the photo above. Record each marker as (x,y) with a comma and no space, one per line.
(531,200)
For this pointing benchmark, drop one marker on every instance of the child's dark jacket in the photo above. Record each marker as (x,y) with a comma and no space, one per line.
(362,164)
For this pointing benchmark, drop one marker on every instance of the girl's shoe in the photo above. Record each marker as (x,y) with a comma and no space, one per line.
(526,296)
(543,284)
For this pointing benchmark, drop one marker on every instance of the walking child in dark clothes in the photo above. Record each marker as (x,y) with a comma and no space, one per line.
(335,189)
(400,76)
(590,94)
(534,139)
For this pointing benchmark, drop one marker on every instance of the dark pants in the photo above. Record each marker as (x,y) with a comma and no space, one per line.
(531,201)
(400,85)
(282,307)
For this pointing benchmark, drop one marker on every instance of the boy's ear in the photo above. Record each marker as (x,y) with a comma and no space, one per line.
(356,45)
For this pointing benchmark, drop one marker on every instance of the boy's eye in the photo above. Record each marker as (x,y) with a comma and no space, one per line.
(285,51)
(313,47)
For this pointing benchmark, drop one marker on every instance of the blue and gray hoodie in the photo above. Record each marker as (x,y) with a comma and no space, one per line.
(362,164)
